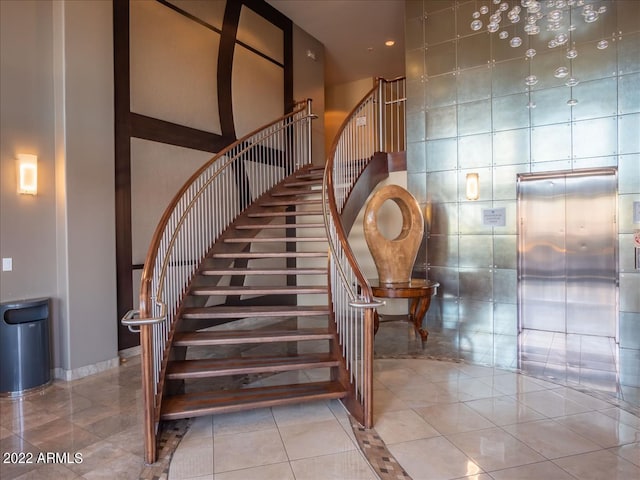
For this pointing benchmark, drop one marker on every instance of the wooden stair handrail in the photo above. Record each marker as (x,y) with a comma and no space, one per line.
(358,144)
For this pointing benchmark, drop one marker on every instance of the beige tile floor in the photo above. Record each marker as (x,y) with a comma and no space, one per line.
(440,419)
(97,418)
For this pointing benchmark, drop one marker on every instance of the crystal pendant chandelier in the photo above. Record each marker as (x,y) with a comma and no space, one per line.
(555,16)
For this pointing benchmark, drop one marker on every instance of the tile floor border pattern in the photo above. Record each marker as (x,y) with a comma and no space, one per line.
(377,453)
(171,434)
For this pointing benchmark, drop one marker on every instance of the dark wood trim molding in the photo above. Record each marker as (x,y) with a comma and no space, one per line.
(124,286)
(288,67)
(225,67)
(188,15)
(162,131)
(397,161)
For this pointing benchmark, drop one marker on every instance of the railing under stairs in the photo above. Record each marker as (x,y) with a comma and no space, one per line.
(374,126)
(200,212)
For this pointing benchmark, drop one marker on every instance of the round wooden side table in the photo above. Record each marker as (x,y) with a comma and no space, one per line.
(419,290)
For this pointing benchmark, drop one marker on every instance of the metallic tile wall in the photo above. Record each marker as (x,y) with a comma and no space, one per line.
(467,111)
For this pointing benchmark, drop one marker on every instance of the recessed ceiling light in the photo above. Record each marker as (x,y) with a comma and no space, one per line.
(390,43)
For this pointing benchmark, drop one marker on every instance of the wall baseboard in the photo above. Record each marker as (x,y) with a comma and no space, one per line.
(80,372)
(130,352)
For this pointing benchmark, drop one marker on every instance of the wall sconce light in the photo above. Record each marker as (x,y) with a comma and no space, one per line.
(473,186)
(27,174)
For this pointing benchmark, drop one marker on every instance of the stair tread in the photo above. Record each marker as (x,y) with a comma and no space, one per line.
(314,174)
(304,183)
(263,290)
(280,225)
(296,213)
(223,401)
(217,367)
(254,311)
(302,191)
(270,255)
(225,337)
(264,271)
(291,203)
(275,239)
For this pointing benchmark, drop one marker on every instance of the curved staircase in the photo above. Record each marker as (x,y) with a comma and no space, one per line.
(257,309)
(250,294)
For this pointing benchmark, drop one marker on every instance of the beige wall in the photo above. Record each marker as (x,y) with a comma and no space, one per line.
(27,223)
(87,109)
(340,100)
(308,82)
(53,105)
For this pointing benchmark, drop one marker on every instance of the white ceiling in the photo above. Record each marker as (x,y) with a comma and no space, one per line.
(353,33)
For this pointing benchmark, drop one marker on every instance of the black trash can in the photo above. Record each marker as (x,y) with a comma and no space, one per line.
(25,361)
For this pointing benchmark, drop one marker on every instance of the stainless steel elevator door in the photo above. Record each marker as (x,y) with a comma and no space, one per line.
(567,252)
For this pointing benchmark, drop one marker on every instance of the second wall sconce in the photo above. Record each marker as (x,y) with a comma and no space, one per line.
(27,174)
(473,186)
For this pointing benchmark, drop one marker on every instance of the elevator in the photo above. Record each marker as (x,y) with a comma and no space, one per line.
(568,252)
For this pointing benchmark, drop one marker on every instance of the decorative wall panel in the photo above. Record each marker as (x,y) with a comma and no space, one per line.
(442,154)
(255,103)
(255,31)
(472,118)
(511,147)
(173,67)
(598,98)
(629,93)
(472,84)
(507,112)
(169,167)
(533,129)
(441,91)
(210,12)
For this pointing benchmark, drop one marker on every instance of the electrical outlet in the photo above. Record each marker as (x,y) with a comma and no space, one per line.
(7,264)
(361,121)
